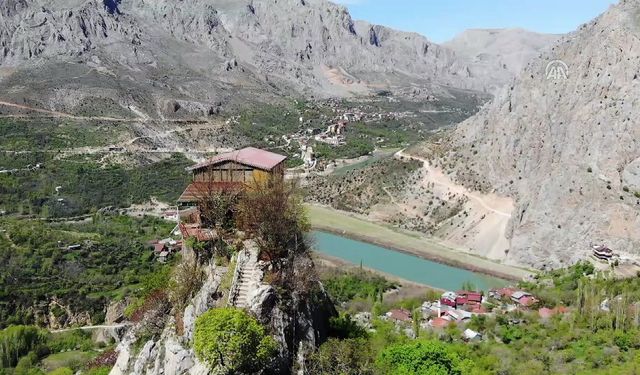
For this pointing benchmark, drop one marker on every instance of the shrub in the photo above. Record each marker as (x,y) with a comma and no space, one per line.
(342,357)
(231,340)
(61,371)
(422,357)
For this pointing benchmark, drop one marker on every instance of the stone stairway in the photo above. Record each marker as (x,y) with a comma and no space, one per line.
(247,278)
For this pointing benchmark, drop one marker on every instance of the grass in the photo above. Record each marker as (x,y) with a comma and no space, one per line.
(73,359)
(341,222)
(379,155)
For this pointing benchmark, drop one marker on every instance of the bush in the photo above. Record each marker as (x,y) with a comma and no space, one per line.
(231,340)
(422,357)
(61,371)
(342,357)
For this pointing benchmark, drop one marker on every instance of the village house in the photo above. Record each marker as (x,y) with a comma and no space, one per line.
(399,316)
(230,171)
(523,299)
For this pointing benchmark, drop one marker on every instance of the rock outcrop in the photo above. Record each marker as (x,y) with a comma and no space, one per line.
(563,141)
(298,319)
(139,58)
(498,55)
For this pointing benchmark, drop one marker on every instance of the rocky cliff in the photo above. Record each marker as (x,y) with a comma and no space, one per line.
(498,55)
(562,140)
(139,58)
(299,321)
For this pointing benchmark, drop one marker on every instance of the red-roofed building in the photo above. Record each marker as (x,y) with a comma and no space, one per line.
(195,231)
(400,315)
(439,323)
(465,297)
(232,171)
(505,292)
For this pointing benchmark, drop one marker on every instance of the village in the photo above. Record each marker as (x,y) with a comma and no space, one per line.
(234,171)
(335,124)
(457,309)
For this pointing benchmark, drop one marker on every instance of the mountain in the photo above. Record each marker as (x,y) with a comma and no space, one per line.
(145,59)
(563,142)
(499,53)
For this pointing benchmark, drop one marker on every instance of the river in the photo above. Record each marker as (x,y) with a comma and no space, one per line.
(402,265)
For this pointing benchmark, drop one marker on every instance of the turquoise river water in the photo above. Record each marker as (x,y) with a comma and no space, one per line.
(399,264)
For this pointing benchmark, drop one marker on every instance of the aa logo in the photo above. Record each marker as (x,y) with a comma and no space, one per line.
(557,70)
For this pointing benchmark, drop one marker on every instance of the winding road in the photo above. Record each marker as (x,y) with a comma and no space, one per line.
(435,176)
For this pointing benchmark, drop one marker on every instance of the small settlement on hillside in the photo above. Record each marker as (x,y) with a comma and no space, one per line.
(457,308)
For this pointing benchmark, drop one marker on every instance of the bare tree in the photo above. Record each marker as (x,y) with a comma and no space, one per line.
(273,214)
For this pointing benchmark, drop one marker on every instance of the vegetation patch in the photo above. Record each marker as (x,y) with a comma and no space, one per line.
(111,260)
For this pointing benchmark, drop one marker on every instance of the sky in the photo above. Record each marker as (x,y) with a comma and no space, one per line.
(441,20)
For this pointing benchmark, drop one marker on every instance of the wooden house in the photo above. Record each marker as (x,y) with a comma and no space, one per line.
(232,171)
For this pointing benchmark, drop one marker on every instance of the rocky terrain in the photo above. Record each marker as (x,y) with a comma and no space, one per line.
(190,59)
(564,146)
(499,53)
(161,344)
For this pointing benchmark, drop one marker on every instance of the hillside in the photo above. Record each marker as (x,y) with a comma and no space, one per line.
(566,150)
(165,59)
(499,53)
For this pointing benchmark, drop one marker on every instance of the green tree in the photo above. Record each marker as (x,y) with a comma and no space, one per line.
(424,358)
(61,371)
(232,341)
(342,357)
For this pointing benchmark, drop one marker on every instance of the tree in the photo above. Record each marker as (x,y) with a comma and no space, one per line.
(342,357)
(231,340)
(424,358)
(217,205)
(273,214)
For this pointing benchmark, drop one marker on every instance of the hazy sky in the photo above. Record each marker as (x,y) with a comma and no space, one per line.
(440,20)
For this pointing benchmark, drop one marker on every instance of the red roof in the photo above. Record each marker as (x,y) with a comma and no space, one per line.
(194,230)
(439,322)
(400,314)
(470,296)
(250,156)
(527,301)
(198,190)
(158,247)
(506,292)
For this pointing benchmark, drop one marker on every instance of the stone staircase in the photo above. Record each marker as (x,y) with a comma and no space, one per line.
(246,279)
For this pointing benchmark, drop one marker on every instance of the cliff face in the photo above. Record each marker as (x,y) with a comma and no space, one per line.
(298,321)
(498,55)
(108,56)
(566,148)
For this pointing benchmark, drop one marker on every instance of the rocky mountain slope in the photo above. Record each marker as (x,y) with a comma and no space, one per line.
(499,53)
(565,148)
(172,59)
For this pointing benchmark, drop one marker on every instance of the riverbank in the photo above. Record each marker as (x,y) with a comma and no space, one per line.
(406,289)
(351,226)
(329,261)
